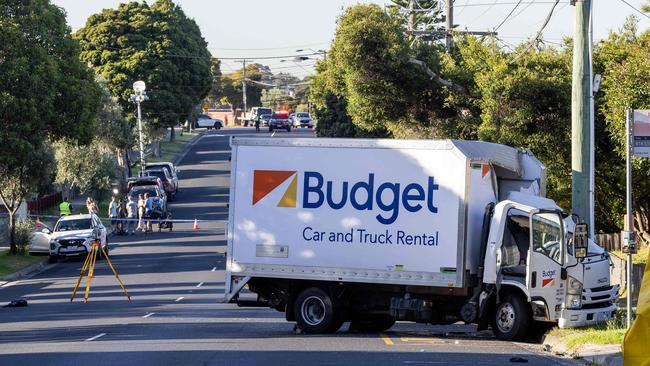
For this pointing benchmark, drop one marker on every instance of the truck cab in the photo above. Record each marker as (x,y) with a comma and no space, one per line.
(534,266)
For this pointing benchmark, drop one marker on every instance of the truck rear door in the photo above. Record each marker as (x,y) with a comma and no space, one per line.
(545,260)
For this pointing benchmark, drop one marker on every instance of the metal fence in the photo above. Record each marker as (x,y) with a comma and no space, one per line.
(45,202)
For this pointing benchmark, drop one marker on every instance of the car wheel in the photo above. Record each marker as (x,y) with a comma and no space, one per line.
(216,126)
(316,312)
(512,318)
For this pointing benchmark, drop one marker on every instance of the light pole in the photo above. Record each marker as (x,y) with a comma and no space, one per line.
(140,96)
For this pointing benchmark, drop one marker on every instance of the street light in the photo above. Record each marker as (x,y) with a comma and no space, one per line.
(139,88)
(322,52)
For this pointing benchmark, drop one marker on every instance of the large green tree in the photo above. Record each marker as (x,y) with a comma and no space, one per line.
(158,44)
(45,93)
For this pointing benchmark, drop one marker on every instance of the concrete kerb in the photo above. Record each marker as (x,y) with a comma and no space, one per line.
(26,272)
(591,354)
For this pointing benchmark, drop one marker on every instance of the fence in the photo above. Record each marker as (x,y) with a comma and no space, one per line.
(610,242)
(45,202)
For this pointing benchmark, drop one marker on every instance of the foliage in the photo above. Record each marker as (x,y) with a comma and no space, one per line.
(87,168)
(158,44)
(112,130)
(233,89)
(45,92)
(273,97)
(422,20)
(24,228)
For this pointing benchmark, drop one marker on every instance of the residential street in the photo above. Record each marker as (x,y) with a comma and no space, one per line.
(174,318)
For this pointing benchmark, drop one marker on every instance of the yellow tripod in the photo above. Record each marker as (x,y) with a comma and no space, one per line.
(89,264)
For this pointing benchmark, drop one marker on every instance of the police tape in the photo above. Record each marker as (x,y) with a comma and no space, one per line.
(129,219)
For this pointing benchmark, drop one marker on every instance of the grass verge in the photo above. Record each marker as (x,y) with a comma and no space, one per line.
(13,263)
(169,149)
(640,257)
(612,332)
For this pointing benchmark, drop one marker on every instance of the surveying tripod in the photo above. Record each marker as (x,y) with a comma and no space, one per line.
(89,264)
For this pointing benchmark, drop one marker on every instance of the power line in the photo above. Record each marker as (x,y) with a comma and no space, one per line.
(539,33)
(637,10)
(508,16)
(268,48)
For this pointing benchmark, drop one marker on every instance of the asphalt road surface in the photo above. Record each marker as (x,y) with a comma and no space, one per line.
(174,318)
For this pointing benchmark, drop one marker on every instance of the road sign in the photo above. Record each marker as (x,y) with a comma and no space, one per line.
(642,133)
(205,106)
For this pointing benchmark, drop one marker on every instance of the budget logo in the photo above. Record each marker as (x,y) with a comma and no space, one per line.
(266,181)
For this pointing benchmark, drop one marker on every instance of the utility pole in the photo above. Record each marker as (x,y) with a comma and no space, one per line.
(244,88)
(580,119)
(449,22)
(411,21)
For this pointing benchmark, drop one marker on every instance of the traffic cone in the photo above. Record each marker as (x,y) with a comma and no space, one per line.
(37,224)
(196,224)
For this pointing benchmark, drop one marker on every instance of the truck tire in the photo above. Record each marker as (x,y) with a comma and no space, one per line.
(512,318)
(316,313)
(371,323)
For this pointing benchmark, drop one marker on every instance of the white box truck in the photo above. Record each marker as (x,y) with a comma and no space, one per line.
(374,231)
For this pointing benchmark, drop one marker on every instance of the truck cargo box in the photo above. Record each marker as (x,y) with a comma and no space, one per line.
(372,211)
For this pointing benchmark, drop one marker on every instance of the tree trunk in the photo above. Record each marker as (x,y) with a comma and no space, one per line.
(172,134)
(156,149)
(12,232)
(127,159)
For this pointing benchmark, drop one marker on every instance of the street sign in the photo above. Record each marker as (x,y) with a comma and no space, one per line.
(642,133)
(205,106)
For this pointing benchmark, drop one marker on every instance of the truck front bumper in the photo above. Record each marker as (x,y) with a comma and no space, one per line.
(585,317)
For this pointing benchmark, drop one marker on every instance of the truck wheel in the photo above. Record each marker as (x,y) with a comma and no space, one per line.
(315,312)
(512,318)
(371,323)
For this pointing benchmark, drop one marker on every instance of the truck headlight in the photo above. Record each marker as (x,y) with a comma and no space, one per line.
(573,302)
(574,287)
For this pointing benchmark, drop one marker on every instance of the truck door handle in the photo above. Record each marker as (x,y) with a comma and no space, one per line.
(533,279)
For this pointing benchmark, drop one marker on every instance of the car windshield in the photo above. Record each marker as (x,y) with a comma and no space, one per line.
(304,115)
(158,173)
(159,166)
(70,225)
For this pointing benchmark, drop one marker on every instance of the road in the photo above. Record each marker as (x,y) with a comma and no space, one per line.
(175,280)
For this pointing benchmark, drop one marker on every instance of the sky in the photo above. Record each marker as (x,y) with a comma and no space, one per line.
(273,28)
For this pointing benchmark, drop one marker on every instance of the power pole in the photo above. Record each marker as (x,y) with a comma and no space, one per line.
(449,22)
(580,118)
(244,88)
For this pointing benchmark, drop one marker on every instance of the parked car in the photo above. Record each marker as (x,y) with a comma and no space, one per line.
(73,235)
(170,168)
(264,119)
(146,180)
(167,180)
(302,119)
(153,191)
(279,121)
(206,121)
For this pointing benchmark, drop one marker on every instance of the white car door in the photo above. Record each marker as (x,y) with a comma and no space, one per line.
(39,241)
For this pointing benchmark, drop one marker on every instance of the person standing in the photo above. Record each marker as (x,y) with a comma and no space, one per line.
(131,214)
(257,123)
(112,214)
(91,206)
(141,204)
(65,208)
(148,208)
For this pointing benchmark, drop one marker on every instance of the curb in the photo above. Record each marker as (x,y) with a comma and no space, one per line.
(592,354)
(26,272)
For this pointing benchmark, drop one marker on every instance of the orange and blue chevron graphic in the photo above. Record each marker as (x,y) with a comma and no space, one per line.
(265,181)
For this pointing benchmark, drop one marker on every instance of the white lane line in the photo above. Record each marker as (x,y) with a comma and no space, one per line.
(148,315)
(179,299)
(273,134)
(214,269)
(95,337)
(200,284)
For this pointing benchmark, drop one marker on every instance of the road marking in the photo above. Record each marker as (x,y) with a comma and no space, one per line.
(179,299)
(273,134)
(95,337)
(214,269)
(200,284)
(148,315)
(386,339)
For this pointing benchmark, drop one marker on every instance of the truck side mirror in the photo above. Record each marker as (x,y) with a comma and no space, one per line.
(580,240)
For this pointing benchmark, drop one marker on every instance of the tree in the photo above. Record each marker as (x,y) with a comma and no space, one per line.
(271,98)
(45,92)
(157,44)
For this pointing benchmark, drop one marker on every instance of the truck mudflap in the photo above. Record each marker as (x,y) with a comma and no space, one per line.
(585,317)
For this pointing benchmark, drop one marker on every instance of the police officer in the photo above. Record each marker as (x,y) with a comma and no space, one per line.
(65,208)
